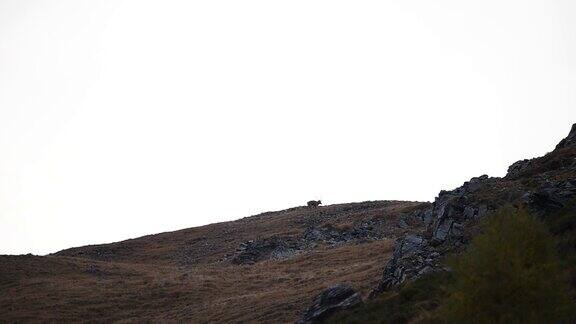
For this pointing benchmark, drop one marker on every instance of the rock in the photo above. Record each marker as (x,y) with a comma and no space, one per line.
(451,211)
(457,230)
(469,212)
(442,230)
(553,161)
(273,247)
(482,211)
(569,140)
(447,210)
(544,200)
(518,168)
(323,234)
(411,243)
(334,298)
(281,247)
(414,255)
(408,261)
(457,206)
(427,216)
(551,196)
(402,222)
(413,219)
(475,183)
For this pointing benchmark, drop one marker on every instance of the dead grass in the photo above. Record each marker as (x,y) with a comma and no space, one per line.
(144,279)
(64,289)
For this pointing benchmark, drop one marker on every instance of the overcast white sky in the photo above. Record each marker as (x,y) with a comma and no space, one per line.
(125,118)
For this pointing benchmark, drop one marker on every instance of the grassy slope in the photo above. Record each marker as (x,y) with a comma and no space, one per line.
(181,275)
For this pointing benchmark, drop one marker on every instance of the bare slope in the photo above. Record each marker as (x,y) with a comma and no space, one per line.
(260,268)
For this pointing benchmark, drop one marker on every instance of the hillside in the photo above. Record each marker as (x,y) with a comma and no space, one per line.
(269,267)
(260,268)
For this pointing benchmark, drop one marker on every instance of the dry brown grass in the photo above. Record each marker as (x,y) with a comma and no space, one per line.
(146,279)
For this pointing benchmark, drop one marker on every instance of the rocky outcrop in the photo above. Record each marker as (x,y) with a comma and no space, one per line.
(452,209)
(274,247)
(449,213)
(332,299)
(415,255)
(557,159)
(569,140)
(518,169)
(550,196)
(448,218)
(280,247)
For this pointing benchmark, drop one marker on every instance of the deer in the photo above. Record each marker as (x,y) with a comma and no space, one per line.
(314,203)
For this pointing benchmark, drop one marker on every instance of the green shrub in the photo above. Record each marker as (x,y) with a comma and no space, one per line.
(562,224)
(562,221)
(509,274)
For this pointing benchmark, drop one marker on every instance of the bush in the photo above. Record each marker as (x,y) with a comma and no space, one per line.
(509,274)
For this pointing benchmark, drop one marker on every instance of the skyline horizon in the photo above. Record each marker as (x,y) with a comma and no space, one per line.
(283,209)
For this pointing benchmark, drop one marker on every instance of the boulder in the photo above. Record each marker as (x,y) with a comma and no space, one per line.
(332,299)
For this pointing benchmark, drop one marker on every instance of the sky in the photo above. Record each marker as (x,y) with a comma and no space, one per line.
(125,118)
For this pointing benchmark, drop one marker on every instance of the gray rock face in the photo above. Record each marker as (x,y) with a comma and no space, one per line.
(569,140)
(452,208)
(334,298)
(415,255)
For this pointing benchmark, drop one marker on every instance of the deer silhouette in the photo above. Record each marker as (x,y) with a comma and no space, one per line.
(314,203)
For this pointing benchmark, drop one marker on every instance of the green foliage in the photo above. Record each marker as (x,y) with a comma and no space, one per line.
(509,274)
(416,297)
(562,224)
(564,220)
